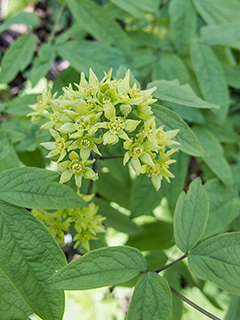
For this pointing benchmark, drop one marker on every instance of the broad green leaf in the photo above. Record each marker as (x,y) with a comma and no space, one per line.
(233,309)
(218,260)
(42,63)
(28,18)
(223,206)
(100,268)
(191,115)
(33,188)
(89,54)
(172,91)
(183,22)
(141,58)
(210,78)
(188,141)
(115,219)
(96,21)
(218,11)
(224,133)
(223,35)
(232,76)
(157,236)
(151,300)
(10,159)
(17,57)
(190,217)
(214,158)
(33,158)
(137,9)
(11,135)
(28,257)
(67,76)
(20,106)
(140,38)
(170,67)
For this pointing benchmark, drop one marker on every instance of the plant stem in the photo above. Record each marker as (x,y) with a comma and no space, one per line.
(111,157)
(95,167)
(172,263)
(206,313)
(54,29)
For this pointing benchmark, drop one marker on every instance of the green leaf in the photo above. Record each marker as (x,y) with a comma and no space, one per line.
(17,57)
(89,54)
(96,21)
(191,115)
(142,57)
(140,38)
(170,67)
(173,92)
(232,76)
(33,188)
(218,11)
(214,159)
(218,259)
(223,206)
(151,300)
(67,76)
(28,18)
(157,236)
(210,78)
(42,63)
(233,309)
(188,141)
(223,35)
(28,257)
(115,219)
(20,106)
(190,217)
(183,22)
(15,6)
(100,268)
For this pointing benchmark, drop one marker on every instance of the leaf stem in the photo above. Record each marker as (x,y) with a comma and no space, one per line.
(172,263)
(95,167)
(54,29)
(192,304)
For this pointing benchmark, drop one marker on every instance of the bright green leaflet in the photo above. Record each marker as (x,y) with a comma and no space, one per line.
(96,21)
(29,18)
(214,158)
(32,188)
(183,22)
(227,35)
(223,206)
(100,268)
(43,63)
(210,77)
(18,57)
(151,300)
(218,259)
(172,91)
(29,256)
(188,141)
(190,217)
(218,11)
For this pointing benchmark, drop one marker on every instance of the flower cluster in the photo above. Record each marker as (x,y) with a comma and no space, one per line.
(96,114)
(85,222)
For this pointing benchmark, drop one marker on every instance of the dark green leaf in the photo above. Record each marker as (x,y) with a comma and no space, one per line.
(157,236)
(100,268)
(173,92)
(233,309)
(29,256)
(214,159)
(42,63)
(151,300)
(20,106)
(232,75)
(29,18)
(141,58)
(190,217)
(32,188)
(188,141)
(183,22)
(223,206)
(67,76)
(96,21)
(218,259)
(18,57)
(89,54)
(210,78)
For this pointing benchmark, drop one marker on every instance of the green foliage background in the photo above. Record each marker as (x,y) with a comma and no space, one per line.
(189,50)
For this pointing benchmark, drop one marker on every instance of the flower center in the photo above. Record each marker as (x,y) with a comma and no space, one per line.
(84,144)
(136,150)
(77,168)
(82,124)
(153,172)
(116,125)
(55,117)
(59,144)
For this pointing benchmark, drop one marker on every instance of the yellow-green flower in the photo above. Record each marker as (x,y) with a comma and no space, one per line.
(76,167)
(86,144)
